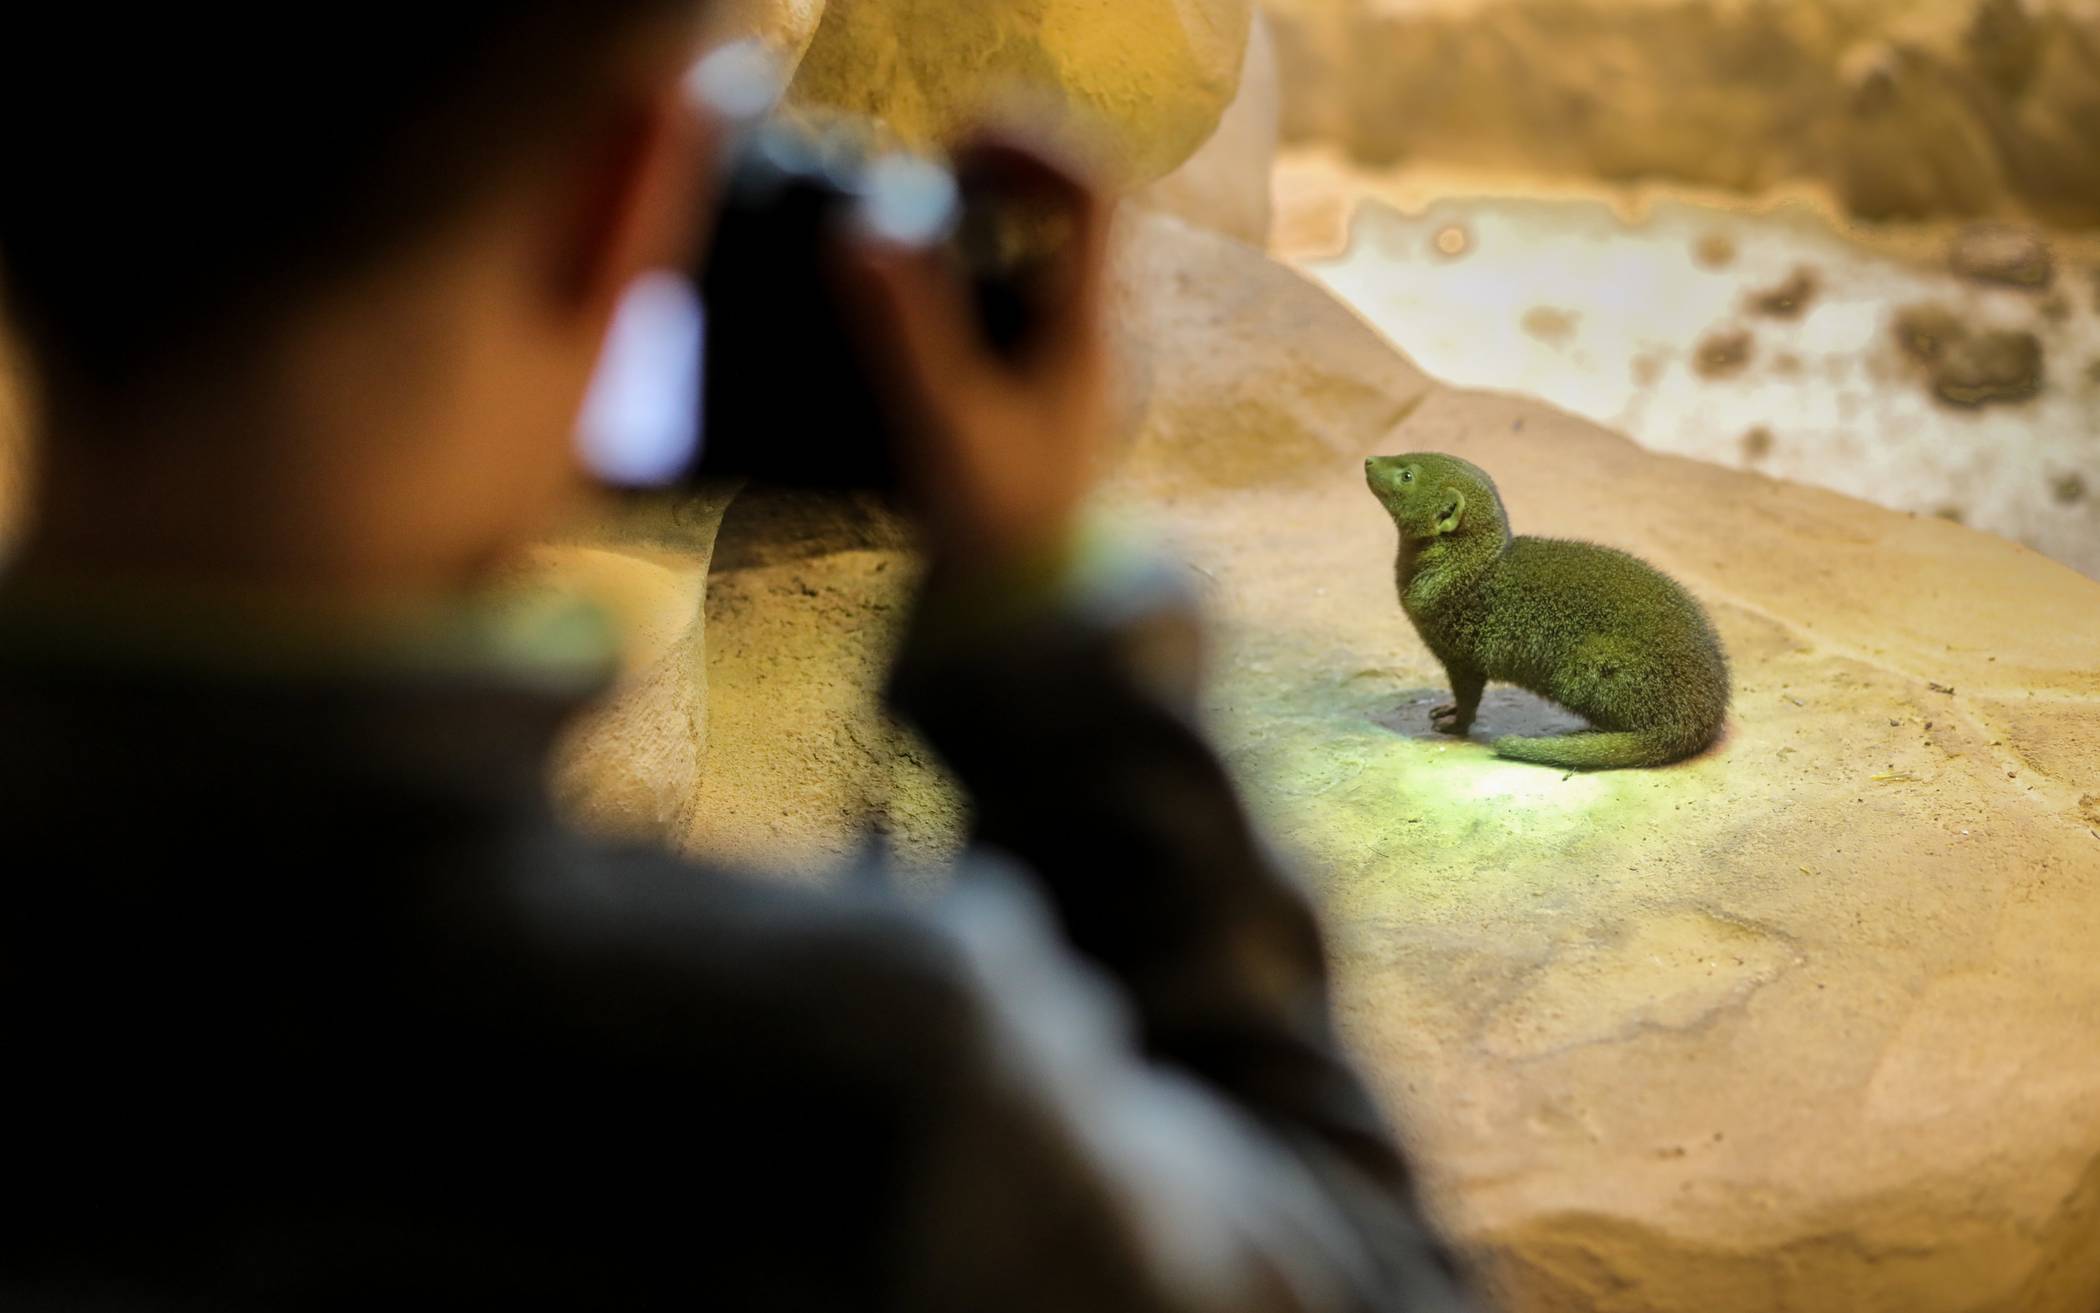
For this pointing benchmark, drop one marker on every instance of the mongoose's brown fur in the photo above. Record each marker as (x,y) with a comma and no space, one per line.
(1600,632)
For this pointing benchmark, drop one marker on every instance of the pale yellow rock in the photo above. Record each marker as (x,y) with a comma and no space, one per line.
(805,607)
(1226,185)
(631,767)
(1141,82)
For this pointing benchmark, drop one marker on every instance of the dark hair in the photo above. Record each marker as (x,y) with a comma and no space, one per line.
(174,171)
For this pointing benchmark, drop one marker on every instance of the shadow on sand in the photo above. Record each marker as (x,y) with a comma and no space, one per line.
(1503,712)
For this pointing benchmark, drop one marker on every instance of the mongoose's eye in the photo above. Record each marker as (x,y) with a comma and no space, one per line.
(1407,476)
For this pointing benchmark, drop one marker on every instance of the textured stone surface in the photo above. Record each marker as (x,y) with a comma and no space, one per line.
(1227,185)
(1802,1024)
(804,610)
(1145,81)
(632,768)
(1906,107)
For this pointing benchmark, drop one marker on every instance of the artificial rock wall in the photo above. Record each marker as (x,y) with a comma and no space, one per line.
(1904,108)
(1142,81)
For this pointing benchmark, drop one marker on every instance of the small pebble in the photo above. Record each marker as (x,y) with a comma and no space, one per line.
(1789,300)
(1550,324)
(1724,353)
(1717,251)
(1926,331)
(2001,365)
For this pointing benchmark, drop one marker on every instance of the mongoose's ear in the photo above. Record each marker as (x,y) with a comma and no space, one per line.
(1452,511)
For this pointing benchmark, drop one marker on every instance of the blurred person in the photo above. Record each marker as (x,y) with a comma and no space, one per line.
(310,1001)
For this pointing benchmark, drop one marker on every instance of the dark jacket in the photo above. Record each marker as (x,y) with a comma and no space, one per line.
(308,1002)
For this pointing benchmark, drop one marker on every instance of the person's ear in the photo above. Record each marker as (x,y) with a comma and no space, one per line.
(1451,512)
(636,193)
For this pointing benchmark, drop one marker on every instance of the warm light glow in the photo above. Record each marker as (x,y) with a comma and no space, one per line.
(1526,785)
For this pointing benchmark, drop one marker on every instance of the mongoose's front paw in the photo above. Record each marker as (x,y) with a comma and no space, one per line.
(1447,720)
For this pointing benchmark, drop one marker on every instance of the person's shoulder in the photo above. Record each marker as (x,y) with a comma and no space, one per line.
(656,954)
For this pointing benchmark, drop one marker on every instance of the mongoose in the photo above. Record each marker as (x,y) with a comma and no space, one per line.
(1604,634)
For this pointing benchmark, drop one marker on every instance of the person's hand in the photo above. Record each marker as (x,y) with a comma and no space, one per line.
(1000,451)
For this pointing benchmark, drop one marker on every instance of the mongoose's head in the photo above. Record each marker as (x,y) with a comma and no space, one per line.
(1430,495)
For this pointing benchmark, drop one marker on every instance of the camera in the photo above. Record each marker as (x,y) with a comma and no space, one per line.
(753,365)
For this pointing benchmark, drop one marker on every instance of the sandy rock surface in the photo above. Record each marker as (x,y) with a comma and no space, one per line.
(632,767)
(1804,1023)
(805,607)
(1144,81)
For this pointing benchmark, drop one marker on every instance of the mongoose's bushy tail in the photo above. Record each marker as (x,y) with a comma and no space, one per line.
(1600,749)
